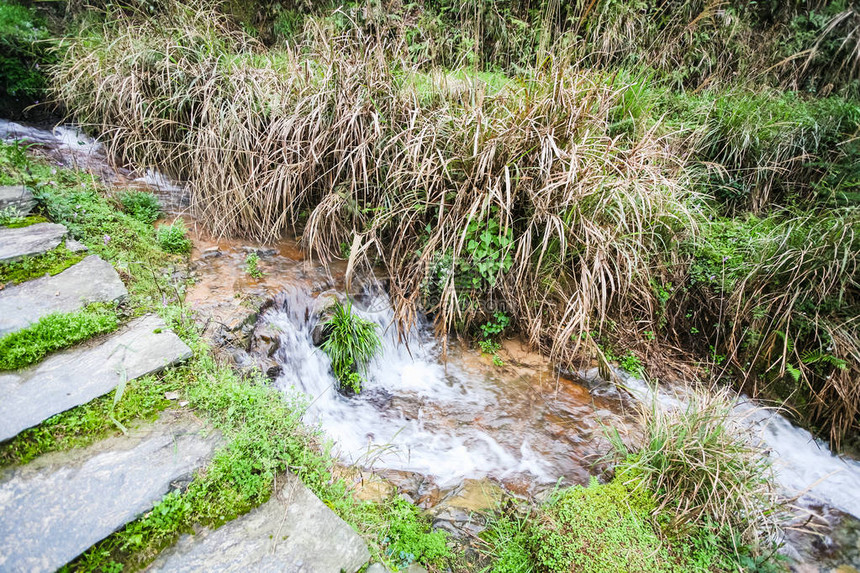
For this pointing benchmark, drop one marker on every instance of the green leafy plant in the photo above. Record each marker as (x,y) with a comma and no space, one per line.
(10,216)
(351,342)
(141,205)
(489,250)
(172,238)
(251,266)
(631,364)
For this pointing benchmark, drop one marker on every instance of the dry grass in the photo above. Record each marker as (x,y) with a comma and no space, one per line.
(345,139)
(338,130)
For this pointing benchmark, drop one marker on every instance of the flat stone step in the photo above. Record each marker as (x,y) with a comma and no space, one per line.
(76,376)
(293,532)
(91,280)
(18,197)
(59,505)
(32,240)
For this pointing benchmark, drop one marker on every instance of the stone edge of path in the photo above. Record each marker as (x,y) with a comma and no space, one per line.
(82,373)
(91,280)
(61,504)
(292,532)
(36,239)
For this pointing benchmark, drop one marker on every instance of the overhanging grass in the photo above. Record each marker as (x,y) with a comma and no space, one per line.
(55,332)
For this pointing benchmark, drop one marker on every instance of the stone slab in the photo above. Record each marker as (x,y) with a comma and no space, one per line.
(294,532)
(17,196)
(76,376)
(91,280)
(59,505)
(31,240)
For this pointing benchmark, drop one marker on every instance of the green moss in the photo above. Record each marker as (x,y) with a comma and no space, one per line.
(55,332)
(602,527)
(28,268)
(142,399)
(26,221)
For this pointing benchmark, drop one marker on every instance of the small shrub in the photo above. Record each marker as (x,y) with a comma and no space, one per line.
(408,538)
(351,342)
(141,205)
(10,216)
(22,50)
(251,266)
(172,237)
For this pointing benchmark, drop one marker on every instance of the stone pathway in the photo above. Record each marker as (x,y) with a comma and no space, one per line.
(56,507)
(91,280)
(17,197)
(294,532)
(76,376)
(27,241)
(61,504)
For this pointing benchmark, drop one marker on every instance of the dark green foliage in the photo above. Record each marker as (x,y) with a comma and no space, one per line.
(351,342)
(55,332)
(172,238)
(141,205)
(407,537)
(23,51)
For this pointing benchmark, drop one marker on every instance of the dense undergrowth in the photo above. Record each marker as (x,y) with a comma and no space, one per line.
(677,178)
(261,426)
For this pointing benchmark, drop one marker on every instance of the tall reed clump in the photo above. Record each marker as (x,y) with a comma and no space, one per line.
(438,177)
(706,471)
(784,292)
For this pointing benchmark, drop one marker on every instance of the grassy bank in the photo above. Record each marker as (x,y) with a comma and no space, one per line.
(707,220)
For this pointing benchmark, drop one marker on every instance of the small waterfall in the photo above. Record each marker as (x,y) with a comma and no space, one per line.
(414,414)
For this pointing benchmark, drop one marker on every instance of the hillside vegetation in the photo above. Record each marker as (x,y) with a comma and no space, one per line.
(674,185)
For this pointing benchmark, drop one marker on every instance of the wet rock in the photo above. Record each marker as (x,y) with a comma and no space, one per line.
(91,280)
(17,197)
(32,240)
(59,505)
(211,253)
(74,377)
(293,532)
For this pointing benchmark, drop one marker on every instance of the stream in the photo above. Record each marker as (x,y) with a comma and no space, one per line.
(454,434)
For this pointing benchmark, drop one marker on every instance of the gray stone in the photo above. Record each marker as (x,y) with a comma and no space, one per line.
(91,280)
(76,376)
(59,505)
(294,532)
(75,246)
(32,240)
(18,197)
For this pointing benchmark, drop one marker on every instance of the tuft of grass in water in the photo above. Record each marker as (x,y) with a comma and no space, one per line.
(55,332)
(141,205)
(27,268)
(707,473)
(172,238)
(351,342)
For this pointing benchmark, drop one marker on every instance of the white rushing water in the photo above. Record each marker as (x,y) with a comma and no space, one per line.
(412,414)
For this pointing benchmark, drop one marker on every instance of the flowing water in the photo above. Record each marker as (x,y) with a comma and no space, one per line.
(452,422)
